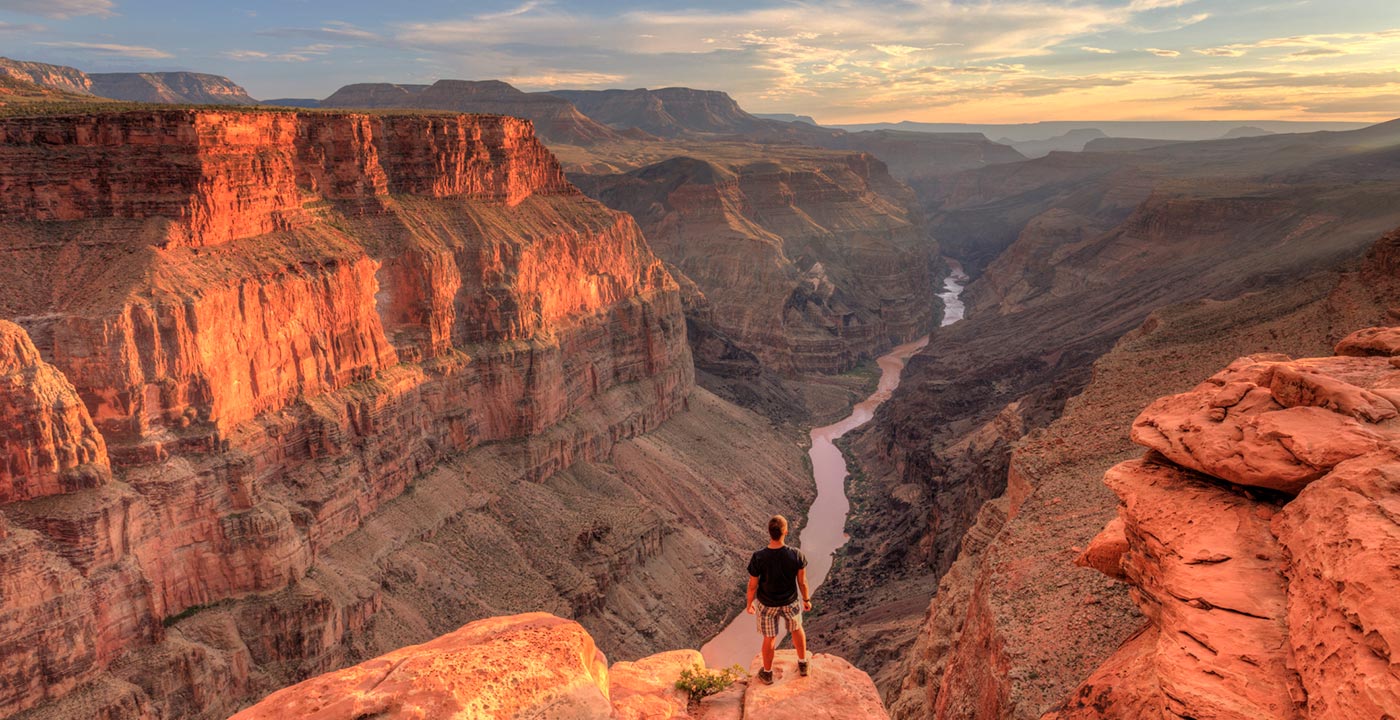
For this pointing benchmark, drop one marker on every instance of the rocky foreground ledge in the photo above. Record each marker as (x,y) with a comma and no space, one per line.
(537,665)
(1260,535)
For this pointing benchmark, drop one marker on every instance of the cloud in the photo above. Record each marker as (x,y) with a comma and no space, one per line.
(1220,52)
(563,79)
(839,50)
(7,28)
(301,54)
(1159,52)
(1145,5)
(1368,105)
(1317,45)
(1318,52)
(334,30)
(1096,50)
(1261,79)
(112,49)
(59,9)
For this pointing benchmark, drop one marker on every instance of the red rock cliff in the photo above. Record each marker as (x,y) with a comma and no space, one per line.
(276,324)
(1273,604)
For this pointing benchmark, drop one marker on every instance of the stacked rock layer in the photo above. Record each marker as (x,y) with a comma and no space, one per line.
(1259,536)
(238,335)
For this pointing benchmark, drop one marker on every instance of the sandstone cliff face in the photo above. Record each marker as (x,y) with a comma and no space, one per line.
(185,88)
(809,264)
(276,325)
(57,77)
(1273,605)
(538,665)
(50,445)
(1098,242)
(1014,627)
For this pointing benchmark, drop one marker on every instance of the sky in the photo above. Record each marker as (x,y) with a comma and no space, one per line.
(839,61)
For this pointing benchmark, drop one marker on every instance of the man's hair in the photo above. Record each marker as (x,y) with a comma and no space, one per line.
(777,527)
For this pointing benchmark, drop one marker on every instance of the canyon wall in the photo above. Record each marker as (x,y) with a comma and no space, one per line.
(809,261)
(1015,626)
(1095,245)
(1258,537)
(291,390)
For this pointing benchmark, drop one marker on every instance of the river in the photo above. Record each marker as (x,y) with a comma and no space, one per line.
(825,532)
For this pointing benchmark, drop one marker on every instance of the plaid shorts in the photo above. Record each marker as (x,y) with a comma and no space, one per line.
(768,618)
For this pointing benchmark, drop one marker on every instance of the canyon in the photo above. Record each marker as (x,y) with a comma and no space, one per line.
(286,391)
(1071,253)
(317,402)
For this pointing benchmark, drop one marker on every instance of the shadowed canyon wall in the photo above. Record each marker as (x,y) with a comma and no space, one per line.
(1015,626)
(1096,243)
(807,261)
(296,389)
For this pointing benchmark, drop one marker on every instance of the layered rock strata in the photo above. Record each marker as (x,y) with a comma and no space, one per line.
(1261,542)
(253,335)
(1014,626)
(538,665)
(1086,266)
(808,263)
(555,118)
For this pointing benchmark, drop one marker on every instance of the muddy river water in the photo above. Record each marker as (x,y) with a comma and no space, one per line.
(825,531)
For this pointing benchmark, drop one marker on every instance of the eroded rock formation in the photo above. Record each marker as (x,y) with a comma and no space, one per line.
(1014,627)
(555,118)
(810,262)
(306,387)
(538,665)
(1273,604)
(182,88)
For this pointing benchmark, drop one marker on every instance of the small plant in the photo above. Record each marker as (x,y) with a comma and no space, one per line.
(700,683)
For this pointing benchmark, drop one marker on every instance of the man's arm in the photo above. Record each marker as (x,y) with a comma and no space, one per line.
(802,587)
(753,593)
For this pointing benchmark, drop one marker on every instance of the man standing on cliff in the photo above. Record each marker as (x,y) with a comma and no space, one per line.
(777,580)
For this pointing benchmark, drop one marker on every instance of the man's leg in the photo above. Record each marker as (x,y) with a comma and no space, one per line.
(768,643)
(799,642)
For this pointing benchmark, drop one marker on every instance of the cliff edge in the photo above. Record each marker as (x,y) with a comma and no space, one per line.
(538,665)
(1259,537)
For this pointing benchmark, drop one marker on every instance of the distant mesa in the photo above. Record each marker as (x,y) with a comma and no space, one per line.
(15,92)
(787,117)
(170,87)
(294,102)
(666,112)
(556,119)
(183,88)
(1072,141)
(1245,131)
(1116,144)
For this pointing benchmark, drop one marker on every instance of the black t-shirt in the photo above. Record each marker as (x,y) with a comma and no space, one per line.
(776,570)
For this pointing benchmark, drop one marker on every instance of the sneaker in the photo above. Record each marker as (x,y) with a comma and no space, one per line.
(765,677)
(802,668)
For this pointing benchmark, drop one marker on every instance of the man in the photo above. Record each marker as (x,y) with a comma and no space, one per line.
(777,579)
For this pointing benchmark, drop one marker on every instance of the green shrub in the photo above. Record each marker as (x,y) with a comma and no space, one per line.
(700,683)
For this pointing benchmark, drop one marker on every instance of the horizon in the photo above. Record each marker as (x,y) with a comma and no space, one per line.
(929,61)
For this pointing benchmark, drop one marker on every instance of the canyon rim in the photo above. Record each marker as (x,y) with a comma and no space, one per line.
(434,361)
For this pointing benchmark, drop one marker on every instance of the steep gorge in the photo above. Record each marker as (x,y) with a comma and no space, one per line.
(809,261)
(1089,257)
(300,388)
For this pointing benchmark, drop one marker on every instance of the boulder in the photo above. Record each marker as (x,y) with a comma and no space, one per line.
(531,665)
(835,689)
(1275,424)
